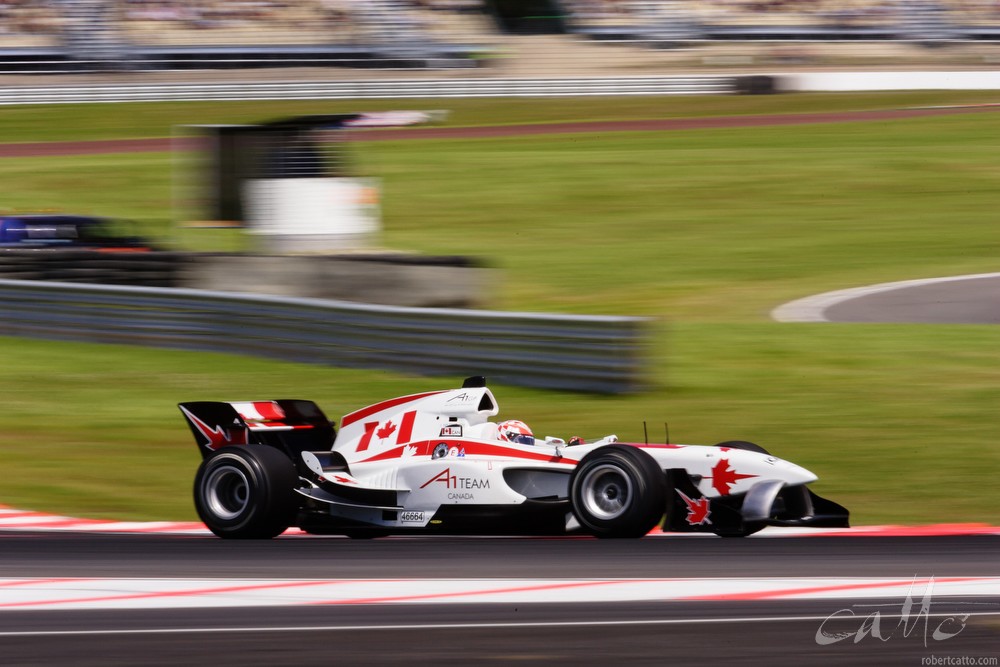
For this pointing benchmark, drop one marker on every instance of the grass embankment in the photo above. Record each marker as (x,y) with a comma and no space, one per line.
(705,231)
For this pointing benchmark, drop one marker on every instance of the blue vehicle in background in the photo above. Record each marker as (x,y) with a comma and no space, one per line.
(68,232)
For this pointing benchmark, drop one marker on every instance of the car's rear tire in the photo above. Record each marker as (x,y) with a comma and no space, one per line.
(618,491)
(247,492)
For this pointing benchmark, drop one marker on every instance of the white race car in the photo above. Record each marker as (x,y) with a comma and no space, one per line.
(434,462)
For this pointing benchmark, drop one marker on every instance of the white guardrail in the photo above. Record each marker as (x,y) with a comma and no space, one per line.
(367,89)
(491,87)
(572,352)
(887,81)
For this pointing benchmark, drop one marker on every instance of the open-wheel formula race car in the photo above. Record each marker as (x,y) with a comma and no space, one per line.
(434,462)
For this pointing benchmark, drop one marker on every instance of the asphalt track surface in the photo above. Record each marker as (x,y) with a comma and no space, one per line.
(740,633)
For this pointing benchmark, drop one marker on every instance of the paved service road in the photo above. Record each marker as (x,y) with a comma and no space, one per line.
(973,299)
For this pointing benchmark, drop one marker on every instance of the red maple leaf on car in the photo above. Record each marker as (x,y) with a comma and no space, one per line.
(698,510)
(386,430)
(724,477)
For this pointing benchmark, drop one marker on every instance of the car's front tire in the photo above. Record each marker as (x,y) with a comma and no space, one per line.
(618,491)
(246,492)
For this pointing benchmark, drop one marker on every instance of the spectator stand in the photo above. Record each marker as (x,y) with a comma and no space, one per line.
(515,37)
(788,20)
(46,36)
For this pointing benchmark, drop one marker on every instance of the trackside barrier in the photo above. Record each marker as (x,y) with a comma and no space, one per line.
(433,88)
(368,89)
(875,81)
(572,352)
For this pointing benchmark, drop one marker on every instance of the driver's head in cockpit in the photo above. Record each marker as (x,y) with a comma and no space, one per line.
(516,431)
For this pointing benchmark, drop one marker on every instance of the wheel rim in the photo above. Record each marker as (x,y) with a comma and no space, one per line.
(227,492)
(607,492)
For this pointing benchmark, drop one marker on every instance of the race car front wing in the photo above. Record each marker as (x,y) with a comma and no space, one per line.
(767,503)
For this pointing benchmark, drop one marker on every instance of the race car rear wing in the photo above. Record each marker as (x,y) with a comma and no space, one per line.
(292,426)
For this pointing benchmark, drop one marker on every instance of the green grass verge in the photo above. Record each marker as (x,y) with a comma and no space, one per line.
(74,122)
(705,231)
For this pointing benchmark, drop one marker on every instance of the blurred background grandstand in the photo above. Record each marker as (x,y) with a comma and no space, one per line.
(538,36)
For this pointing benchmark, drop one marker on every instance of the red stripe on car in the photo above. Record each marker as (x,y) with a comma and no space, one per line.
(358,415)
(269,410)
(471,448)
(406,427)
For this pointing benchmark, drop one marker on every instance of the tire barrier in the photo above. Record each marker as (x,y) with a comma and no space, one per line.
(149,269)
(379,278)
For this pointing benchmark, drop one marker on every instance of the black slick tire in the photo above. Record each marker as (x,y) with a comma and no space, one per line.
(247,492)
(618,491)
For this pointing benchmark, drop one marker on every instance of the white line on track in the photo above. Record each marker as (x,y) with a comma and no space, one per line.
(119,594)
(476,626)
(12,519)
(813,308)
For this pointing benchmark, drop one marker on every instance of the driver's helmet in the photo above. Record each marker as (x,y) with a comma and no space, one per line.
(513,430)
